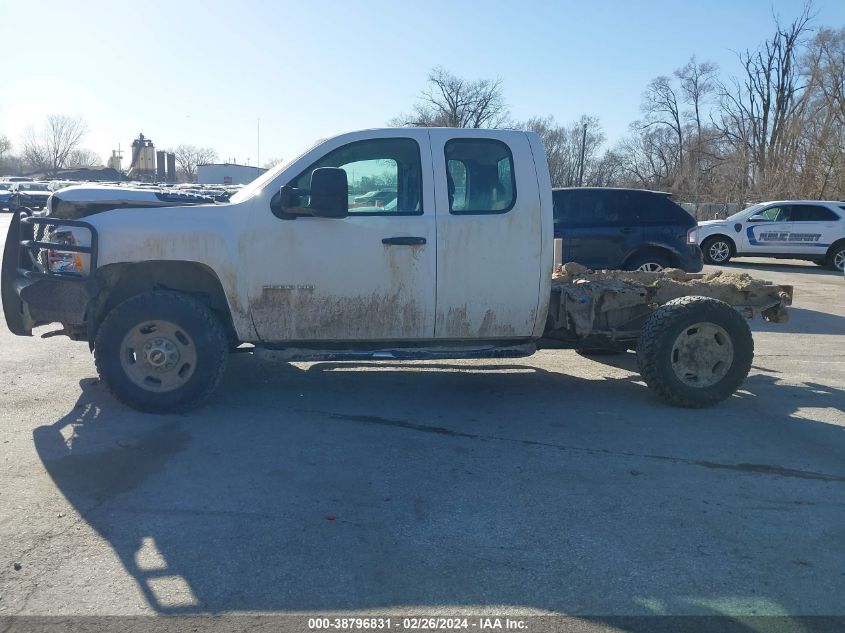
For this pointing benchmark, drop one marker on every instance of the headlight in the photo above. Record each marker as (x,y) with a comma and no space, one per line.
(692,235)
(65,262)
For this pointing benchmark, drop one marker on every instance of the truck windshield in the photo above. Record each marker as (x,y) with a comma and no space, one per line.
(268,176)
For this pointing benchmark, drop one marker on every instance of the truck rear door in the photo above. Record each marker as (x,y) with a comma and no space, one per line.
(489,235)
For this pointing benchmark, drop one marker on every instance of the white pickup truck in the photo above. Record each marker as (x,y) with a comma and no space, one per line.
(453,259)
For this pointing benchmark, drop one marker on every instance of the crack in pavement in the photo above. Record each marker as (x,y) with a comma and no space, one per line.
(755,469)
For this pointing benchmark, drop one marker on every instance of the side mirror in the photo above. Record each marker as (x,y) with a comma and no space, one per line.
(329,193)
(756,218)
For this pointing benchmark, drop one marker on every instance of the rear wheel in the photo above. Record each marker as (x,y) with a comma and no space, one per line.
(836,256)
(695,351)
(717,250)
(648,262)
(161,351)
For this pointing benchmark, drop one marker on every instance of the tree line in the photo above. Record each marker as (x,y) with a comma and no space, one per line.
(57,145)
(775,130)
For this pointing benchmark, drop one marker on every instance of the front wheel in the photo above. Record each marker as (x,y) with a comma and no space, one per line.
(717,250)
(161,351)
(695,351)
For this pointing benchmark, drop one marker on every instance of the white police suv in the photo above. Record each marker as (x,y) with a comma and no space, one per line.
(795,229)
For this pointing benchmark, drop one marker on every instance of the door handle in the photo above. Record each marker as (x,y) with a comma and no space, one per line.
(626,230)
(403,241)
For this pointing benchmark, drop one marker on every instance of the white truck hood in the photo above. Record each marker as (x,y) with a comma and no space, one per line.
(83,200)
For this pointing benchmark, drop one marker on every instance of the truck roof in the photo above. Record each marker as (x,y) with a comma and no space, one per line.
(660,193)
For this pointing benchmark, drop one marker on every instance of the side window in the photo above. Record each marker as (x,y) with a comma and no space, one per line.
(617,208)
(772,214)
(581,208)
(480,176)
(812,213)
(563,213)
(384,176)
(660,209)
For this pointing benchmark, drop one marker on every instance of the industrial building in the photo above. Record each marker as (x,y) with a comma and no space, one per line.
(227,174)
(148,163)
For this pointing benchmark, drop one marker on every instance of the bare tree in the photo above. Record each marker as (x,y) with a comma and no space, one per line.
(84,158)
(188,157)
(761,112)
(50,149)
(564,145)
(697,82)
(649,156)
(5,146)
(662,109)
(451,101)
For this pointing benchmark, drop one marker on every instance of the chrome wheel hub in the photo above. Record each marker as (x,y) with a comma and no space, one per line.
(839,260)
(158,356)
(650,267)
(719,251)
(702,355)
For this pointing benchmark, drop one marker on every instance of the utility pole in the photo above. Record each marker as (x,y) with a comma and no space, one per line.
(258,145)
(581,162)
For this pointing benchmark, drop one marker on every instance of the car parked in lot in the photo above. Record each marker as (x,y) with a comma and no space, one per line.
(5,194)
(813,230)
(32,195)
(627,229)
(375,198)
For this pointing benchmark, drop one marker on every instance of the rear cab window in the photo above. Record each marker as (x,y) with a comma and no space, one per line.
(480,176)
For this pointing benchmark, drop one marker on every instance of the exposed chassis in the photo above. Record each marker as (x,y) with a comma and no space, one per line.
(608,308)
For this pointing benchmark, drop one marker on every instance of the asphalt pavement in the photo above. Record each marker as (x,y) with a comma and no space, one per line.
(551,484)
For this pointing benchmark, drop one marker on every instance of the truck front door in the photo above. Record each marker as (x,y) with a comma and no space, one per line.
(367,277)
(489,235)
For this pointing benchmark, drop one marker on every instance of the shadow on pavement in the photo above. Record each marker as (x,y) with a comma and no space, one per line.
(341,486)
(804,321)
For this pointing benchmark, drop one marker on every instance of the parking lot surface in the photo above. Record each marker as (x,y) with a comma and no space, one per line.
(554,483)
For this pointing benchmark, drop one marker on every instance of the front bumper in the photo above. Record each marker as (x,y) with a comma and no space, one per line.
(31,294)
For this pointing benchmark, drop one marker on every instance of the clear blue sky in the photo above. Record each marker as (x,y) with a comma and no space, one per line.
(205,72)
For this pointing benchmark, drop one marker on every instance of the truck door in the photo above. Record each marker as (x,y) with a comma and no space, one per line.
(767,231)
(367,277)
(489,235)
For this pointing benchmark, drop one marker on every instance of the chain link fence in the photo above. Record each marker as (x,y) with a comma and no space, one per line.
(711,210)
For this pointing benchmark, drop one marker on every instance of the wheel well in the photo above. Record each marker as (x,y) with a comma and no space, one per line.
(643,251)
(727,238)
(125,280)
(833,248)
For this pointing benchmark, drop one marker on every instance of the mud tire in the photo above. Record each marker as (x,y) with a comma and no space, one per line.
(660,334)
(206,333)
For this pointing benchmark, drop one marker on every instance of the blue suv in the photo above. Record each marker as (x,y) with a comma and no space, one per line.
(625,229)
